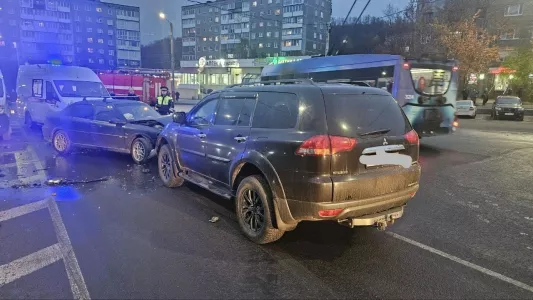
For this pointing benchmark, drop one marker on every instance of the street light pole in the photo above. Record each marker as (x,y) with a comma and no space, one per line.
(172,60)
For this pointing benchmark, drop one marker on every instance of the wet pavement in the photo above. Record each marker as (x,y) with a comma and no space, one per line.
(468,233)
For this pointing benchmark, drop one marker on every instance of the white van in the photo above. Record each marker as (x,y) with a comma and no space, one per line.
(4,115)
(49,88)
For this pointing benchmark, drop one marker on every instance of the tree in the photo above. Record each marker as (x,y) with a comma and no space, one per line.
(521,61)
(157,54)
(473,47)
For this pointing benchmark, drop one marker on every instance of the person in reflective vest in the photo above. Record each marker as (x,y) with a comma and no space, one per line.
(164,102)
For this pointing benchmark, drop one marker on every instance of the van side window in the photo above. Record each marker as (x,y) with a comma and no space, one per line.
(37,88)
(276,110)
(50,92)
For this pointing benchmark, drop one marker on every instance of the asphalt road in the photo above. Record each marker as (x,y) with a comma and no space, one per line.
(468,233)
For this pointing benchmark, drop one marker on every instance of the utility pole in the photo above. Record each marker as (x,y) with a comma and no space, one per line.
(328,33)
(172,62)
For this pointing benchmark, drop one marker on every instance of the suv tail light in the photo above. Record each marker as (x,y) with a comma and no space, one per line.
(412,137)
(323,145)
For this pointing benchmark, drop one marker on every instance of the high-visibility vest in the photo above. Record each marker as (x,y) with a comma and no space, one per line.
(164,100)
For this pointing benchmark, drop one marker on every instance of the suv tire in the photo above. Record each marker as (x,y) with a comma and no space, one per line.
(165,168)
(255,210)
(140,150)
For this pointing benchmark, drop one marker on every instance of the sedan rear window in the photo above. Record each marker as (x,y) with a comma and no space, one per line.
(355,115)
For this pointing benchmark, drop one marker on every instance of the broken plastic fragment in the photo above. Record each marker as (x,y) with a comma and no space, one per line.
(214,219)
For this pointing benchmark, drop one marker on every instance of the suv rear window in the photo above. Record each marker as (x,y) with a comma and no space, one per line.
(352,115)
(276,110)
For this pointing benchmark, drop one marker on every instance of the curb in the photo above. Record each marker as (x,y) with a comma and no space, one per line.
(487,111)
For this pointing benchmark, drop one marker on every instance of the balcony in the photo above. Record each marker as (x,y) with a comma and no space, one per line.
(292,37)
(190,42)
(127,18)
(189,16)
(230,41)
(294,14)
(63,8)
(292,25)
(291,48)
(188,25)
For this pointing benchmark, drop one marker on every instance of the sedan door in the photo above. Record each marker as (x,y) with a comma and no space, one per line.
(226,139)
(191,136)
(77,121)
(107,132)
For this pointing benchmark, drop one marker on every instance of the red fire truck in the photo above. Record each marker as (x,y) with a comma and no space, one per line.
(145,82)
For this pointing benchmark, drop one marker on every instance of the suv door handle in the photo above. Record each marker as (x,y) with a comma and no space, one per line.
(201,135)
(240,138)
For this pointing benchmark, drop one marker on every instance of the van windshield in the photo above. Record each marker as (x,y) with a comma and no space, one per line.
(72,88)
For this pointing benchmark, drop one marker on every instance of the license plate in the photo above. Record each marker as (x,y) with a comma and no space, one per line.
(431,114)
(509,114)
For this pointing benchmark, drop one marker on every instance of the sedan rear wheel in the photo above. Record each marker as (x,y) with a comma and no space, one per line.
(61,142)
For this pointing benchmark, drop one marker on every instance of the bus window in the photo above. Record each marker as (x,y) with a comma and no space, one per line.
(431,81)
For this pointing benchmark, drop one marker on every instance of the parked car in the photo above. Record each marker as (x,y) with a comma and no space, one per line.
(125,126)
(466,108)
(288,153)
(508,107)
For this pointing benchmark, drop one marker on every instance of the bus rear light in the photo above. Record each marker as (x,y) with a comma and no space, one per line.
(455,68)
(406,66)
(323,145)
(412,137)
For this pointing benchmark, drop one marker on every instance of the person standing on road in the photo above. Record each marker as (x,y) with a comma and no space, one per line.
(177,96)
(485,96)
(164,102)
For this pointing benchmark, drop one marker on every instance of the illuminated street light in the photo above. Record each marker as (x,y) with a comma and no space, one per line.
(162,16)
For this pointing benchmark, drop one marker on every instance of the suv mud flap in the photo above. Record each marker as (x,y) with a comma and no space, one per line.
(380,220)
(284,218)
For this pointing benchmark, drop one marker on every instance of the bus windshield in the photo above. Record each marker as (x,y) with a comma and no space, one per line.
(74,88)
(432,81)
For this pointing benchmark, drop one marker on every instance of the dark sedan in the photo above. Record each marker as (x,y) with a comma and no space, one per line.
(508,107)
(116,125)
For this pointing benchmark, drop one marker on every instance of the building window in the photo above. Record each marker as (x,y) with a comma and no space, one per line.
(260,45)
(111,62)
(513,10)
(91,61)
(89,40)
(99,9)
(269,34)
(320,36)
(99,20)
(110,32)
(110,12)
(100,30)
(88,19)
(216,19)
(260,34)
(314,35)
(261,24)
(278,12)
(110,43)
(90,50)
(314,46)
(509,35)
(316,13)
(253,35)
(76,7)
(100,41)
(322,15)
(254,3)
(101,51)
(110,22)
(276,45)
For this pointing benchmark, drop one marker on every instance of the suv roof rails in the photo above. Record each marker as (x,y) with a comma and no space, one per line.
(269,82)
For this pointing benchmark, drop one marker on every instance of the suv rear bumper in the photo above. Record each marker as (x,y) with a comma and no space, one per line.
(309,211)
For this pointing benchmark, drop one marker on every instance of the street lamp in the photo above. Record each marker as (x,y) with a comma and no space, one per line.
(164,17)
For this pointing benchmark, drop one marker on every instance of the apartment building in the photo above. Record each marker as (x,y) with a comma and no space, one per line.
(88,33)
(515,23)
(236,29)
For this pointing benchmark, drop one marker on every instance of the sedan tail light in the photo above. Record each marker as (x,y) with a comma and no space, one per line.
(412,137)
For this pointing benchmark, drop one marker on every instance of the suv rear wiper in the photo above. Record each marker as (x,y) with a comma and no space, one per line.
(380,131)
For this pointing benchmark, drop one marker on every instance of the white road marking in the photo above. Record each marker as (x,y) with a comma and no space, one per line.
(22,210)
(464,262)
(77,283)
(29,264)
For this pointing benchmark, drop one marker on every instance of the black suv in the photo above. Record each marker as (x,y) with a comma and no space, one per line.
(508,107)
(291,151)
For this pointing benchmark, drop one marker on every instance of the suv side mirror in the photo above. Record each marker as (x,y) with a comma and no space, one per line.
(179,117)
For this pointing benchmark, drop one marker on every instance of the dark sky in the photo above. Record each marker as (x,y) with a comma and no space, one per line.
(152,28)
